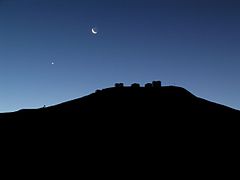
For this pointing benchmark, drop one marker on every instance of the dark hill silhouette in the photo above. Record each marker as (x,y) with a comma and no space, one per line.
(131,132)
(122,105)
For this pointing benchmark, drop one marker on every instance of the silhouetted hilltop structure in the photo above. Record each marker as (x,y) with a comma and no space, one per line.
(127,103)
(154,84)
(132,127)
(119,85)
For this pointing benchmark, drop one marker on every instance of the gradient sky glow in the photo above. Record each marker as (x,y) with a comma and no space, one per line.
(194,44)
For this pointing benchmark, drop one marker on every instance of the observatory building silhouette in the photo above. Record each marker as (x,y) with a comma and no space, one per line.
(154,84)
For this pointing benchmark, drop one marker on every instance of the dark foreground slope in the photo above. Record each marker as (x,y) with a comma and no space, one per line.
(129,132)
(123,106)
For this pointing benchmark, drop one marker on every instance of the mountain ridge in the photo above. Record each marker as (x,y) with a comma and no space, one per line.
(133,102)
(130,127)
(171,89)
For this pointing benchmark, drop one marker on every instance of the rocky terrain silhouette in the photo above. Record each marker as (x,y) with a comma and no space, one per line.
(121,106)
(129,132)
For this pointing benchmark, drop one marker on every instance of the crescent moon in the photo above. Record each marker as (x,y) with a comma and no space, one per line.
(94,31)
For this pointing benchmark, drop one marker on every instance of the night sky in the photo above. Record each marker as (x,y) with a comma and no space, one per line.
(49,55)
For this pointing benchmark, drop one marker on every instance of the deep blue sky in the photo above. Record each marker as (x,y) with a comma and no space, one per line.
(190,43)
